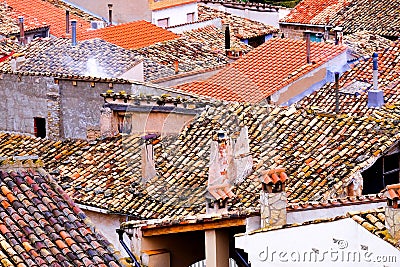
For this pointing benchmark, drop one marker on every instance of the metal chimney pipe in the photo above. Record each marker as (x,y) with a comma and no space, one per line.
(337,92)
(227,37)
(21,30)
(67,21)
(308,46)
(375,70)
(73,26)
(110,14)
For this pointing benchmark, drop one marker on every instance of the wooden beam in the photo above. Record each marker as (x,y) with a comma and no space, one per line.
(191,227)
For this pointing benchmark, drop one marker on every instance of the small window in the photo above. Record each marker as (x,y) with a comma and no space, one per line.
(190,17)
(39,127)
(164,23)
(124,123)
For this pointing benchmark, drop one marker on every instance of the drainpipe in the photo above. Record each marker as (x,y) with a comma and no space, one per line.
(120,233)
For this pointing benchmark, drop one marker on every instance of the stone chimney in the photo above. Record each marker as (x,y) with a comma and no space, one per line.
(392,211)
(375,96)
(108,126)
(110,14)
(21,30)
(273,198)
(73,26)
(307,36)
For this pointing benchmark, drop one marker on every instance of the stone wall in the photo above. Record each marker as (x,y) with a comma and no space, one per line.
(53,112)
(273,209)
(392,222)
(297,32)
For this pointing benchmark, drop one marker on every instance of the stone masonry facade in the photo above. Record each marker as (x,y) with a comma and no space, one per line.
(273,209)
(392,221)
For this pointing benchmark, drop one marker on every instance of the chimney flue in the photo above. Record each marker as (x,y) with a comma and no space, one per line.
(337,92)
(375,96)
(67,21)
(308,46)
(21,30)
(73,26)
(227,37)
(110,14)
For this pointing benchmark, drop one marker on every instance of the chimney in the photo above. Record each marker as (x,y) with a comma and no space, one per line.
(73,26)
(337,110)
(392,210)
(308,46)
(273,198)
(176,66)
(21,30)
(148,164)
(375,96)
(67,21)
(338,35)
(110,14)
(227,36)
(219,185)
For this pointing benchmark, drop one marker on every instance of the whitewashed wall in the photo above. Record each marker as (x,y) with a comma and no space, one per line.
(177,15)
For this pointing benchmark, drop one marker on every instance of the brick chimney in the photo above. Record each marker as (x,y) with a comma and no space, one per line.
(273,198)
(307,35)
(375,96)
(67,21)
(110,14)
(21,30)
(392,210)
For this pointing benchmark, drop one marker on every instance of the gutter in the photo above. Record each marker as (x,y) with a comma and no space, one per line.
(120,233)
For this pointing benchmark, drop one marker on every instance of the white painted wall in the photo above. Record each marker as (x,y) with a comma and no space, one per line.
(322,244)
(176,15)
(107,224)
(270,18)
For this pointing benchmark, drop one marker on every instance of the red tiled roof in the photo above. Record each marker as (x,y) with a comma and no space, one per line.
(47,14)
(317,12)
(157,5)
(264,70)
(132,35)
(393,191)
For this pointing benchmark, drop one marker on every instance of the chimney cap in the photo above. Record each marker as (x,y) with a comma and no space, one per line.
(73,20)
(110,5)
(375,54)
(307,32)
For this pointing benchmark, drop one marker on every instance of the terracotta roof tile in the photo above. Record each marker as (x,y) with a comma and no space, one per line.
(242,28)
(33,218)
(374,222)
(355,83)
(263,71)
(131,35)
(46,13)
(316,12)
(341,146)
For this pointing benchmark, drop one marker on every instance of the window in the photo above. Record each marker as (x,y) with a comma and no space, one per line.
(39,127)
(124,123)
(163,22)
(190,17)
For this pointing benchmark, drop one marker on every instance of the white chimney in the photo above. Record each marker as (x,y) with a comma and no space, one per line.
(375,96)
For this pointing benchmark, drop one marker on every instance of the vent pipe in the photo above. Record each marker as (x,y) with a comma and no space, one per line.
(110,14)
(21,30)
(227,37)
(67,21)
(337,92)
(375,96)
(73,26)
(308,45)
